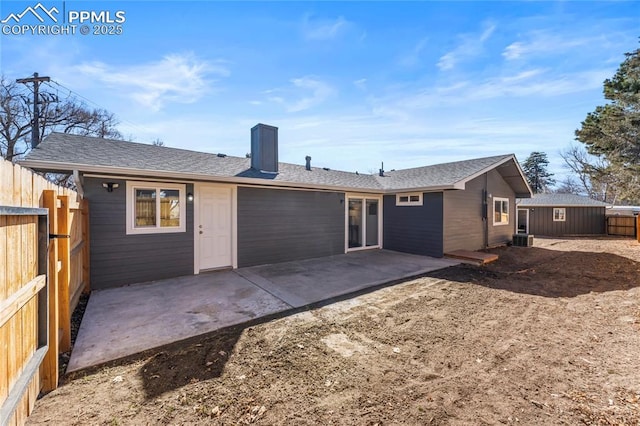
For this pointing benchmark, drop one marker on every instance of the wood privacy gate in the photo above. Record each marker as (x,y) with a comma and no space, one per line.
(44,268)
(624,226)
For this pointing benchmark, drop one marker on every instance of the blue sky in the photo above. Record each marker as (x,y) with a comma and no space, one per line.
(349,83)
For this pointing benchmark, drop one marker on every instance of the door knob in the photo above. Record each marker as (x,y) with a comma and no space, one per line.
(201,232)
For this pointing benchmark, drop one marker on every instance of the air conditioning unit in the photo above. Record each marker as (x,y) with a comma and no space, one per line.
(523,240)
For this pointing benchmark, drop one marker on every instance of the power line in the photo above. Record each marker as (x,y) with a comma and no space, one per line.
(78,95)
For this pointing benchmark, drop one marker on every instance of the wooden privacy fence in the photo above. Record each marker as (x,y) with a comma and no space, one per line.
(44,254)
(625,226)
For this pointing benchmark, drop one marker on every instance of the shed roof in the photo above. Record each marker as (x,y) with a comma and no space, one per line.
(559,200)
(65,152)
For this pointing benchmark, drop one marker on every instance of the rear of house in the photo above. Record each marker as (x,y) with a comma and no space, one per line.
(561,215)
(158,212)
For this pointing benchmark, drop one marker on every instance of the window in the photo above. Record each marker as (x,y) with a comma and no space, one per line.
(500,211)
(413,199)
(559,214)
(155,208)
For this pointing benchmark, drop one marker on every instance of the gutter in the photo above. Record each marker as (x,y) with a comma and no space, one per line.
(123,171)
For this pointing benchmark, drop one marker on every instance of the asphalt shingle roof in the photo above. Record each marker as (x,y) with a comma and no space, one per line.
(59,151)
(560,200)
(444,174)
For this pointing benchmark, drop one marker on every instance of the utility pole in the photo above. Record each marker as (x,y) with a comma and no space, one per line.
(35,124)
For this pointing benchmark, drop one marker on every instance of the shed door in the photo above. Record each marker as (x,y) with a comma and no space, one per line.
(214,229)
(523,221)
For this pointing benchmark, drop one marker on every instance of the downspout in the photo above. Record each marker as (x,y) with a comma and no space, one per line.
(77,179)
(485,211)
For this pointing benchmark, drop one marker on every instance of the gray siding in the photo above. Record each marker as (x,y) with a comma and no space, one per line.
(117,258)
(414,229)
(497,187)
(463,213)
(580,221)
(277,225)
(464,223)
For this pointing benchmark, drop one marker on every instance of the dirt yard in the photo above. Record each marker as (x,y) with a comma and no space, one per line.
(546,335)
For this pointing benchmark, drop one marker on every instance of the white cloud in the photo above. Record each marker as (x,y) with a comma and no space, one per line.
(539,83)
(173,79)
(470,45)
(323,29)
(545,44)
(361,84)
(514,50)
(412,58)
(304,93)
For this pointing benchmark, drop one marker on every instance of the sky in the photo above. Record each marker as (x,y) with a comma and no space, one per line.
(352,84)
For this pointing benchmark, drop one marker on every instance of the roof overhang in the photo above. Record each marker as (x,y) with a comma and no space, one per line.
(147,173)
(511,172)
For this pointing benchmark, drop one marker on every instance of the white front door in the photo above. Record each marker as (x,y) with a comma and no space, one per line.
(214,227)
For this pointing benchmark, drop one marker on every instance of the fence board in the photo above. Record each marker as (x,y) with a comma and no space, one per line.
(12,305)
(4,362)
(4,287)
(4,292)
(6,182)
(22,342)
(86,270)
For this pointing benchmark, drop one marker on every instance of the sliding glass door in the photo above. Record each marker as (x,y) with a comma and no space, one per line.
(363,222)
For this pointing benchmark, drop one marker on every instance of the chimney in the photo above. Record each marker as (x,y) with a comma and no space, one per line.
(264,148)
(382,170)
(308,166)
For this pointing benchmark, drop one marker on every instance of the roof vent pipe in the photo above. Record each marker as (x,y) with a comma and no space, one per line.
(308,159)
(382,170)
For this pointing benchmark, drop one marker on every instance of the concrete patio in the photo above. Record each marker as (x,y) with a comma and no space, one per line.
(124,321)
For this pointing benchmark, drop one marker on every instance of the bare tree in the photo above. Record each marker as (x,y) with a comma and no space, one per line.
(15,122)
(66,116)
(596,177)
(569,185)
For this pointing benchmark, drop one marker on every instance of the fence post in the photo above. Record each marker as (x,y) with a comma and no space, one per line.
(64,275)
(50,364)
(86,268)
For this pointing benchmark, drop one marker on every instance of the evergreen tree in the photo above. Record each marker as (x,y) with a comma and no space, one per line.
(535,169)
(612,131)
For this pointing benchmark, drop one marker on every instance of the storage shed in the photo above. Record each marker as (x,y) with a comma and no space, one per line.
(561,215)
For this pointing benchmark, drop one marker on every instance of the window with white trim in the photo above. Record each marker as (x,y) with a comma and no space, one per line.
(155,207)
(410,199)
(500,211)
(559,214)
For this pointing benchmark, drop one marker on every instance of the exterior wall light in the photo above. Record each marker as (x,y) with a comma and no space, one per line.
(189,197)
(110,186)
